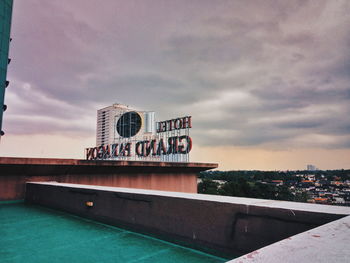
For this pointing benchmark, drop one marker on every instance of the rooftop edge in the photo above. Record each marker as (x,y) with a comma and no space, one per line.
(111,163)
(292,206)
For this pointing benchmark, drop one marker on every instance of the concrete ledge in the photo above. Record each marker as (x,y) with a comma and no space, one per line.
(225,225)
(324,244)
(58,166)
(15,172)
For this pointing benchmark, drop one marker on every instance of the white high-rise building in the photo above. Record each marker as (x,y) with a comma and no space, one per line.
(311,167)
(118,122)
(106,122)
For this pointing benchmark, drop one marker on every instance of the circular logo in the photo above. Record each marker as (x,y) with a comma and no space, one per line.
(129,124)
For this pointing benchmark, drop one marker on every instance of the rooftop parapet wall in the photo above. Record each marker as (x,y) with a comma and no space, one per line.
(58,166)
(15,172)
(225,225)
(324,244)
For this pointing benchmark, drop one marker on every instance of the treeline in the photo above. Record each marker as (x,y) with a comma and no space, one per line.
(244,188)
(275,175)
(259,184)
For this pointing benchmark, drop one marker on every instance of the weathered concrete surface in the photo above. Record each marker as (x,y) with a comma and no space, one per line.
(324,244)
(15,172)
(228,225)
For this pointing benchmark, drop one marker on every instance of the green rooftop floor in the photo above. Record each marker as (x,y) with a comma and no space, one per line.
(35,234)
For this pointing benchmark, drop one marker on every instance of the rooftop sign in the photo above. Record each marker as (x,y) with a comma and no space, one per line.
(136,139)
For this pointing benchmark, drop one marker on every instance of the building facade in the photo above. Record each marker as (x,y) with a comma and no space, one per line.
(105,123)
(311,167)
(5,28)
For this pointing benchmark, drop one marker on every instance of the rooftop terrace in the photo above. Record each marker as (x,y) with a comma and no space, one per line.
(30,233)
(223,226)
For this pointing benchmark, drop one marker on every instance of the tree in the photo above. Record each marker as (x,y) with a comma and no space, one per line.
(208,186)
(301,197)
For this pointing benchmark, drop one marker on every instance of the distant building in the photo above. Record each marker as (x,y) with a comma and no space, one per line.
(321,200)
(105,123)
(311,177)
(339,200)
(277,182)
(311,167)
(5,28)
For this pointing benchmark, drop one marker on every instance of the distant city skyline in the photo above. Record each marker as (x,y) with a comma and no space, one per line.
(266,82)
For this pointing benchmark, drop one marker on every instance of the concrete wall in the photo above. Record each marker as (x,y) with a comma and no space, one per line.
(15,172)
(223,225)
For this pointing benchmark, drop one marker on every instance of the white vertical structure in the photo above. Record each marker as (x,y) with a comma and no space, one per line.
(105,128)
(311,167)
(150,122)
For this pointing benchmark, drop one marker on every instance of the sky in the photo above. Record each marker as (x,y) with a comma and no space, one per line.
(267,83)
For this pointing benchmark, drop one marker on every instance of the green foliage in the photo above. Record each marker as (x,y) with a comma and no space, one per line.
(242,188)
(259,184)
(207,186)
(274,175)
(301,197)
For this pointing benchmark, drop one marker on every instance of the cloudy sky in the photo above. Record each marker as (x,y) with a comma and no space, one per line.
(267,82)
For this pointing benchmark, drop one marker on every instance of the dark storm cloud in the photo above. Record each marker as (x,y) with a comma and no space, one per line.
(268,73)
